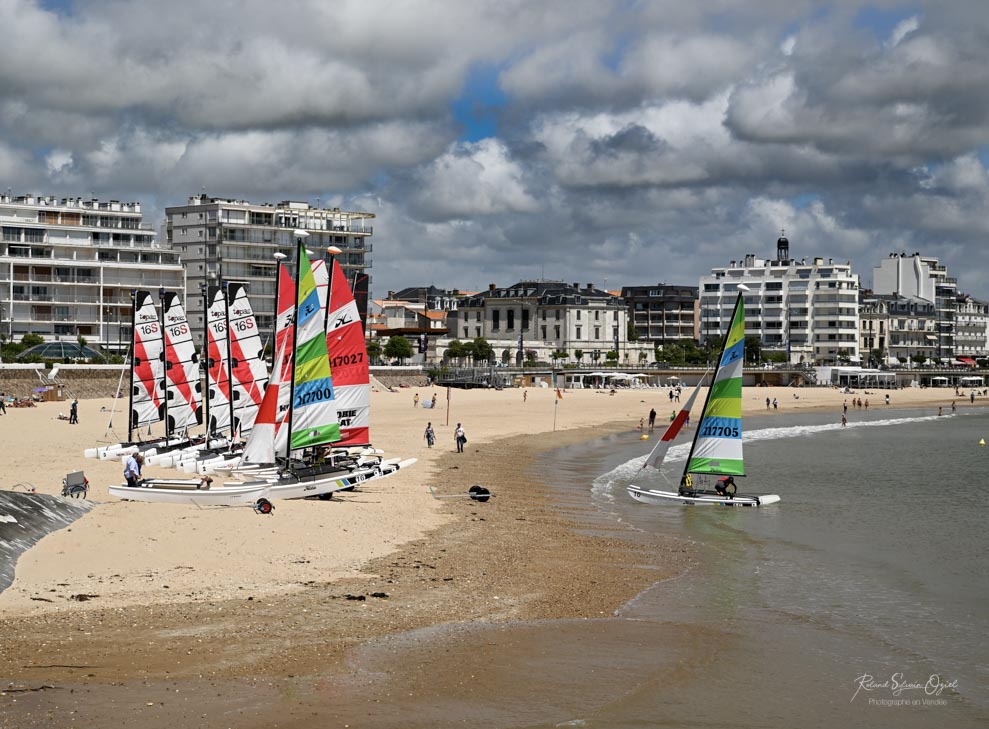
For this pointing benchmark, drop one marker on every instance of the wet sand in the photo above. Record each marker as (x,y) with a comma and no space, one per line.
(287,640)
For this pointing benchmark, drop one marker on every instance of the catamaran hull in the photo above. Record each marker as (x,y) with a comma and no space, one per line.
(160,493)
(672,498)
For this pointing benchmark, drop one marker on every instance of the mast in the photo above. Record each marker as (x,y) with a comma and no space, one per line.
(164,361)
(724,345)
(204,289)
(230,370)
(130,396)
(300,251)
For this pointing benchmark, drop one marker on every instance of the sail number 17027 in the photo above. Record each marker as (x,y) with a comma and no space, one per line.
(719,431)
(347,359)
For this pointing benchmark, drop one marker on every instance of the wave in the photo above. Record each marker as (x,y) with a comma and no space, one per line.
(625,473)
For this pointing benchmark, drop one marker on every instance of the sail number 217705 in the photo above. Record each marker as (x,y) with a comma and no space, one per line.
(719,431)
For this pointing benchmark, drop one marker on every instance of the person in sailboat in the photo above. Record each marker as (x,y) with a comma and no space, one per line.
(686,485)
(726,486)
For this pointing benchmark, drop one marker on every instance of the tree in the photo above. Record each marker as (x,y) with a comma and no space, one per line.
(506,356)
(596,355)
(482,350)
(398,347)
(31,340)
(557,355)
(612,357)
(642,358)
(631,333)
(530,356)
(578,354)
(455,350)
(81,340)
(374,350)
(753,344)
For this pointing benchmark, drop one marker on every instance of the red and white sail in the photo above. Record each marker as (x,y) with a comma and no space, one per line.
(218,374)
(284,321)
(183,388)
(347,352)
(658,454)
(247,366)
(147,401)
(260,445)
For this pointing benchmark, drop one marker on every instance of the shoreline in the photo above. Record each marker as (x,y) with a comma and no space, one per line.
(519,557)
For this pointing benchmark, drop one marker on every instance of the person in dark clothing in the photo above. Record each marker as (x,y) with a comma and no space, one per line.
(74,413)
(726,486)
(652,419)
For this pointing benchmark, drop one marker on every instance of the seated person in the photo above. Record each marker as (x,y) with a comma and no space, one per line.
(726,486)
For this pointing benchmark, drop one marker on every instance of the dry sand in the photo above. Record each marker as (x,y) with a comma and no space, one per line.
(185,593)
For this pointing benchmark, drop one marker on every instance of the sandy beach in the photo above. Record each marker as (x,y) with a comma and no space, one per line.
(207,597)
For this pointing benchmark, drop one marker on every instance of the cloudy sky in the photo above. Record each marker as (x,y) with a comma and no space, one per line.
(619,143)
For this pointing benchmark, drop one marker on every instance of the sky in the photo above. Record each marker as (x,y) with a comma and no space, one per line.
(615,143)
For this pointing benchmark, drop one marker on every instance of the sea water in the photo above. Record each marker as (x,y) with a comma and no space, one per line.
(861,598)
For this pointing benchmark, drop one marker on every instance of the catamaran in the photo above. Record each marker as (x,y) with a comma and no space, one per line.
(163,379)
(717,446)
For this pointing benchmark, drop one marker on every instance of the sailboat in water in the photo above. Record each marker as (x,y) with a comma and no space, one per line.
(717,446)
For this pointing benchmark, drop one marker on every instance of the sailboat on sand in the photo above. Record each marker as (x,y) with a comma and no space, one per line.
(717,446)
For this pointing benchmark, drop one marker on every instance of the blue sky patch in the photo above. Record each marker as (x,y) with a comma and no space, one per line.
(478,106)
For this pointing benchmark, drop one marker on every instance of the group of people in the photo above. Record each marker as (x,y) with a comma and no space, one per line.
(432,401)
(459,436)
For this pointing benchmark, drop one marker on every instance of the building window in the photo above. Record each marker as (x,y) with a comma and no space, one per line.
(525,320)
(477,331)
(495,320)
(466,332)
(477,316)
(597,316)
(511,320)
(578,314)
(557,331)
(578,331)
(597,332)
(544,331)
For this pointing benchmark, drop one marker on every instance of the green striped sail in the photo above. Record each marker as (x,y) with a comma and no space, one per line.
(314,412)
(717,444)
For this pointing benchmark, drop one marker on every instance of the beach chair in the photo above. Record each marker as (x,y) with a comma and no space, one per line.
(75,485)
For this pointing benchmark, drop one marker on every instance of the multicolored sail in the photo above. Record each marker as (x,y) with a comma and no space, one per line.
(313,417)
(183,388)
(218,375)
(247,365)
(658,453)
(348,360)
(717,446)
(147,401)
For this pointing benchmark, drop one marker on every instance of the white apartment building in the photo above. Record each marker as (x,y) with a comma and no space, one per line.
(235,240)
(549,316)
(68,266)
(971,328)
(925,278)
(897,329)
(808,310)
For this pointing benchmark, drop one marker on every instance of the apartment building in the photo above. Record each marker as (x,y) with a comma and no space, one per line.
(545,316)
(925,278)
(68,266)
(663,314)
(807,310)
(971,328)
(235,240)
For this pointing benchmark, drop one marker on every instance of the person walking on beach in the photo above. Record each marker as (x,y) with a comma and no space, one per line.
(74,413)
(768,403)
(939,411)
(867,403)
(971,397)
(460,437)
(429,435)
(844,420)
(952,406)
(652,419)
(132,470)
(671,394)
(434,400)
(887,398)
(845,407)
(415,401)
(525,396)
(3,403)
(776,405)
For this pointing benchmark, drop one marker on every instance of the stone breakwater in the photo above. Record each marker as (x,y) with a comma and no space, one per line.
(25,519)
